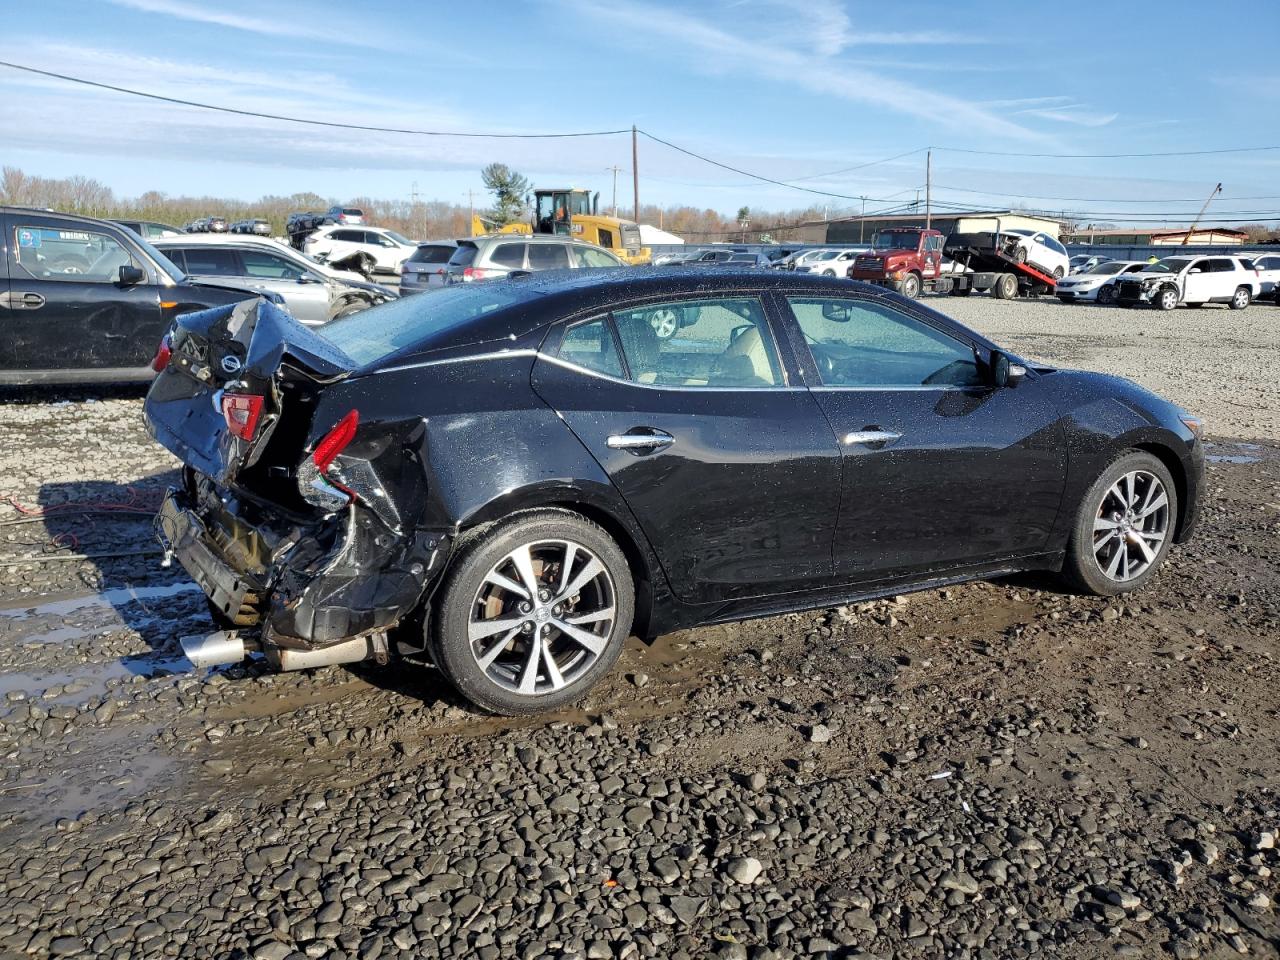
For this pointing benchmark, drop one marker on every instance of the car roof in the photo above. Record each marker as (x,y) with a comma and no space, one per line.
(222,239)
(437,243)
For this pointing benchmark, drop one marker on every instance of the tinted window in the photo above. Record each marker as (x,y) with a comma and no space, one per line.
(859,344)
(352,212)
(269,266)
(548,256)
(464,256)
(348,236)
(177,258)
(591,345)
(1220,266)
(606,238)
(508,255)
(432,254)
(51,253)
(708,343)
(204,261)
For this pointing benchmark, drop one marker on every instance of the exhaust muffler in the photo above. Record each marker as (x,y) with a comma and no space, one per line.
(216,649)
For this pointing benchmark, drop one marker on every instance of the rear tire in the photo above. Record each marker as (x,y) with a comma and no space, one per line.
(1242,298)
(1124,527)
(1058,273)
(1006,287)
(530,663)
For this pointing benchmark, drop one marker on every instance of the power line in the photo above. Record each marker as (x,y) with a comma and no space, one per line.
(310,122)
(1108,156)
(1023,196)
(860,166)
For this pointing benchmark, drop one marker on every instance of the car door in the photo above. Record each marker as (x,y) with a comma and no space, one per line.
(304,292)
(726,461)
(1199,284)
(67,308)
(940,468)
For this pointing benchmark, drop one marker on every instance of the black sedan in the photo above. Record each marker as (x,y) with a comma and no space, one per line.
(512,477)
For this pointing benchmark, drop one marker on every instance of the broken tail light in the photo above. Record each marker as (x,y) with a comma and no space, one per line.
(241,411)
(314,483)
(164,352)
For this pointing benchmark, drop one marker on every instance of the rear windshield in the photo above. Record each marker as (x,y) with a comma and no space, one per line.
(352,212)
(464,256)
(370,335)
(432,254)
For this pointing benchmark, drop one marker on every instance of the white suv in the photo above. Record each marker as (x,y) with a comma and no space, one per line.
(1041,251)
(365,248)
(1193,281)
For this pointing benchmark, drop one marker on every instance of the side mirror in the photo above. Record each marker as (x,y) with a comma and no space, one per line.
(130,275)
(1195,270)
(837,312)
(308,278)
(1004,373)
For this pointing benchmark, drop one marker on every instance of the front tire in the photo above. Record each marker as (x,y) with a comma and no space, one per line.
(1241,298)
(1106,296)
(1124,527)
(534,612)
(910,286)
(1166,299)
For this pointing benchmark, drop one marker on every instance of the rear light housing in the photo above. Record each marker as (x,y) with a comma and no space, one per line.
(316,483)
(242,412)
(474,273)
(164,353)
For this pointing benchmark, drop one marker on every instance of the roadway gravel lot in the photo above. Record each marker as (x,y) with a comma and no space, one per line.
(989,771)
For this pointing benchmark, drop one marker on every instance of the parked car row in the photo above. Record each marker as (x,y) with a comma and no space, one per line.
(207,225)
(255,226)
(1175,281)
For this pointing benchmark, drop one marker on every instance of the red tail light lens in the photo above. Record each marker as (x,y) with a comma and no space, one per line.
(474,273)
(164,352)
(241,411)
(335,441)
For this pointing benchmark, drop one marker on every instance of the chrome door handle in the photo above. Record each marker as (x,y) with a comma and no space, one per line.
(18,300)
(639,441)
(871,436)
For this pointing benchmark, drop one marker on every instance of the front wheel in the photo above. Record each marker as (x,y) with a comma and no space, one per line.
(1124,526)
(1241,298)
(533,613)
(910,286)
(1167,299)
(1106,296)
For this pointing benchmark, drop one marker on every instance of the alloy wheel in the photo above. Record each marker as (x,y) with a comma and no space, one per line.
(665,323)
(1131,525)
(542,617)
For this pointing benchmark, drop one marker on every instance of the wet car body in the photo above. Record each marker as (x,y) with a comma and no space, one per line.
(763,501)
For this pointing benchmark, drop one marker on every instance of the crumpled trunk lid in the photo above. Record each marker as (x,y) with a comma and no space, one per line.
(254,348)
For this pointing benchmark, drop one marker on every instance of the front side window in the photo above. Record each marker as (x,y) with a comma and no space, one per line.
(52,253)
(857,343)
(268,266)
(720,342)
(591,345)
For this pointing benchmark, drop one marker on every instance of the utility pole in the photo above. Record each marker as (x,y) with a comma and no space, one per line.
(413,193)
(862,222)
(615,170)
(928,190)
(471,209)
(635,173)
(1191,229)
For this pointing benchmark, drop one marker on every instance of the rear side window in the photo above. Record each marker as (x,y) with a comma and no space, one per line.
(548,256)
(508,255)
(591,345)
(177,257)
(591,257)
(464,256)
(209,262)
(269,266)
(1221,265)
(437,253)
(722,342)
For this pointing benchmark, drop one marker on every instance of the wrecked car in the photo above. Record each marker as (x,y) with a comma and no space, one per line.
(510,478)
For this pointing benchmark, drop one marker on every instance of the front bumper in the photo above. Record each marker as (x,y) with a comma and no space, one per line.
(306,585)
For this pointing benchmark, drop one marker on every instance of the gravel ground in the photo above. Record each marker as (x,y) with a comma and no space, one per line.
(988,771)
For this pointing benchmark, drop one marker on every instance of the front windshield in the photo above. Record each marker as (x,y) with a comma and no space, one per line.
(1166,266)
(896,241)
(164,263)
(1107,269)
(825,255)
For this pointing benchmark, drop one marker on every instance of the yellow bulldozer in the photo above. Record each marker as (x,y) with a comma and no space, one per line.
(575,213)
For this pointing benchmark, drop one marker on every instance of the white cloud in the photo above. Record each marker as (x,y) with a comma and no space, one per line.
(296,23)
(1077,115)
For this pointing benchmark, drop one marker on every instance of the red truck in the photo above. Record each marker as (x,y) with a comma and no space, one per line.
(910,261)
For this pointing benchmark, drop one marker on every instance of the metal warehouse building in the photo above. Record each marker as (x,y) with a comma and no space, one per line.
(856,230)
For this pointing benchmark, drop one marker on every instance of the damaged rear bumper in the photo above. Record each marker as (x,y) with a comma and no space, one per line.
(302,587)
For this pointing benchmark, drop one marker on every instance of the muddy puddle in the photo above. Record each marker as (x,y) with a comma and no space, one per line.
(1235,452)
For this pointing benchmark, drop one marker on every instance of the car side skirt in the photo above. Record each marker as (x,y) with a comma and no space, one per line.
(27,378)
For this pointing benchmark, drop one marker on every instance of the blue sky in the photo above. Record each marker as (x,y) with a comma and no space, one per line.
(792,89)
